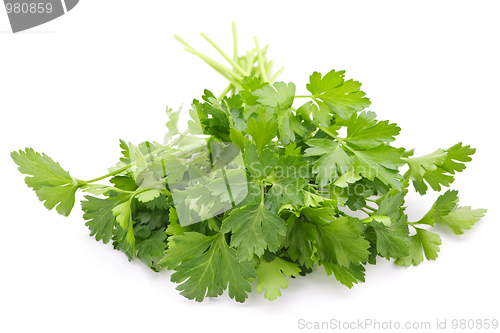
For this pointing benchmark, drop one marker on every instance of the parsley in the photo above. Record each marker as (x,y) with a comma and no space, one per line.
(260,189)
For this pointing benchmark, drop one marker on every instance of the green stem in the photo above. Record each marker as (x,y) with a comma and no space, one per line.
(336,138)
(224,93)
(231,61)
(268,67)
(128,166)
(367,212)
(261,60)
(275,76)
(216,64)
(303,96)
(371,208)
(235,42)
(262,191)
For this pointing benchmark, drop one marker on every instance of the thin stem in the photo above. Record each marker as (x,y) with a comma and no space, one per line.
(268,67)
(182,41)
(262,191)
(368,199)
(261,60)
(336,138)
(365,211)
(264,50)
(231,61)
(250,60)
(128,166)
(224,93)
(371,208)
(275,76)
(303,96)
(214,63)
(144,189)
(412,224)
(114,188)
(235,42)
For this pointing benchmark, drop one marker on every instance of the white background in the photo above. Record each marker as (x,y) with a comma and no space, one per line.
(107,70)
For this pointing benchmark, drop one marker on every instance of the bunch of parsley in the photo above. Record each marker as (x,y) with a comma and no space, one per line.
(175,204)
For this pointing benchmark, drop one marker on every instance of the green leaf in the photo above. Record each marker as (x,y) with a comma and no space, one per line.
(237,138)
(299,238)
(148,195)
(123,215)
(348,177)
(124,183)
(438,168)
(152,247)
(423,239)
(343,97)
(262,132)
(249,85)
(271,276)
(333,160)
(365,132)
(339,240)
(419,166)
(254,229)
(279,95)
(288,178)
(208,267)
(391,206)
(381,162)
(49,180)
(99,216)
(348,276)
(259,166)
(461,219)
(392,241)
(444,204)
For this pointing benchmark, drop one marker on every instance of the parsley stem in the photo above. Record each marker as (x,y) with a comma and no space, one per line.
(261,60)
(367,212)
(371,208)
(275,76)
(250,60)
(224,93)
(303,96)
(336,138)
(262,191)
(231,61)
(235,42)
(116,172)
(269,66)
(215,64)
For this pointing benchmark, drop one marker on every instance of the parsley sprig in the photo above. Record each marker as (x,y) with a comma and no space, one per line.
(259,187)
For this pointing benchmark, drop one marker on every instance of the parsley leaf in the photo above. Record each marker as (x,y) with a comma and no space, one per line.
(342,97)
(207,267)
(271,276)
(256,189)
(254,229)
(48,179)
(438,168)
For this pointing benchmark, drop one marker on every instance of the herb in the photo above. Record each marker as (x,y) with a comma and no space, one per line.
(259,189)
